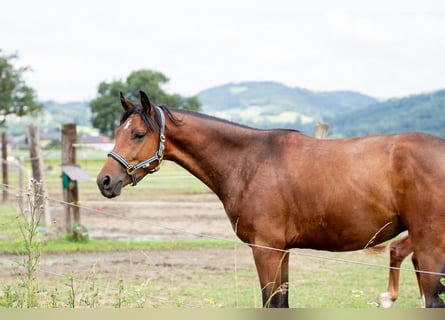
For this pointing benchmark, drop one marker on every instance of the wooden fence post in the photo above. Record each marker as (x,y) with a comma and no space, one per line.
(5,166)
(36,158)
(70,190)
(321,130)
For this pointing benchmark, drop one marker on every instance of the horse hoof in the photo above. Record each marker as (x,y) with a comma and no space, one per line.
(385,300)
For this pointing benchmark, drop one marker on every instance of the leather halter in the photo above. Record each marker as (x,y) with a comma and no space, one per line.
(131,170)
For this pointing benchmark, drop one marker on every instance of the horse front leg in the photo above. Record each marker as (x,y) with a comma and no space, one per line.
(416,267)
(273,272)
(430,285)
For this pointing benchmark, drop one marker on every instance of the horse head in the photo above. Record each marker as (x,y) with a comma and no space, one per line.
(138,148)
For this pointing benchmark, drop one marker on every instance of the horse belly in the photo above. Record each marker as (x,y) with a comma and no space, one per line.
(346,229)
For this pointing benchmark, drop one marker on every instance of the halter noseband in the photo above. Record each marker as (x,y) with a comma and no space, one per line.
(131,170)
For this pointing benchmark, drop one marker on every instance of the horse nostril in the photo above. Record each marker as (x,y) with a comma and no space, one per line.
(108,186)
(106,181)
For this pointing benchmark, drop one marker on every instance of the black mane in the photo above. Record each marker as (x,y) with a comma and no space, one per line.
(156,125)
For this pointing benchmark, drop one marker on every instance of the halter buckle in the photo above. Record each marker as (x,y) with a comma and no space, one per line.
(131,170)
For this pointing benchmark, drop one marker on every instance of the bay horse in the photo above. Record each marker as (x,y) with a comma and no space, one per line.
(282,189)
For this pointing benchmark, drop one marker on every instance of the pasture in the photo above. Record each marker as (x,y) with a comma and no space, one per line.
(167,243)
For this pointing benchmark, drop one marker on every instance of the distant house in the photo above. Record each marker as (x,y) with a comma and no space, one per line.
(95,141)
(17,141)
(48,138)
(94,138)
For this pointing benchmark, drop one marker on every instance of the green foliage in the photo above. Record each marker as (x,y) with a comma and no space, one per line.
(15,96)
(70,283)
(106,109)
(120,295)
(11,297)
(80,233)
(33,245)
(28,222)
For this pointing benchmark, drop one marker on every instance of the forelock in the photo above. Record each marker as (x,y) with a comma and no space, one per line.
(139,111)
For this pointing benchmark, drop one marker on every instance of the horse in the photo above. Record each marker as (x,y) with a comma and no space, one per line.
(398,251)
(282,189)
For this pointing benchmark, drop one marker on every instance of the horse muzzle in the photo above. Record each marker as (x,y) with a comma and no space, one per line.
(108,186)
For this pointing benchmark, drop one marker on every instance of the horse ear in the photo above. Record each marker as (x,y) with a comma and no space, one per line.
(126,104)
(145,102)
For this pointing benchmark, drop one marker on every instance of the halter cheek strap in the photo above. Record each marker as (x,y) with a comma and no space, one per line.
(131,170)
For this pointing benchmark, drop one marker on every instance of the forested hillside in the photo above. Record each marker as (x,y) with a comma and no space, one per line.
(52,116)
(271,104)
(422,112)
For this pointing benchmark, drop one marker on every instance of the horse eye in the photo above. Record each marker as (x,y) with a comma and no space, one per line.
(138,135)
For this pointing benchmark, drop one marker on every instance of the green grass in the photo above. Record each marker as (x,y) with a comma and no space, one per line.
(9,227)
(65,245)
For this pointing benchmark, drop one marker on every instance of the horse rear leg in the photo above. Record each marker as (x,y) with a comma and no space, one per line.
(273,272)
(398,251)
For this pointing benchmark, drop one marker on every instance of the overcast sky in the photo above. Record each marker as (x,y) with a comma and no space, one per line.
(383,48)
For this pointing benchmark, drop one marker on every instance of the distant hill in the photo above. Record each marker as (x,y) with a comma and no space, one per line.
(349,113)
(70,112)
(422,112)
(271,104)
(53,115)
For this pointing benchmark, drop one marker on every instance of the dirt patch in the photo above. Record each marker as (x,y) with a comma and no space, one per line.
(131,265)
(132,217)
(153,220)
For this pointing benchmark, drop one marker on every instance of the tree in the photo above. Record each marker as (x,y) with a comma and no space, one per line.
(106,107)
(15,96)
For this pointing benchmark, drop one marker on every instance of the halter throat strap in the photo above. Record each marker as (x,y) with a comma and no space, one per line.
(131,170)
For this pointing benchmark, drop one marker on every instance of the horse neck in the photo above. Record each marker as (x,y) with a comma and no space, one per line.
(206,147)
